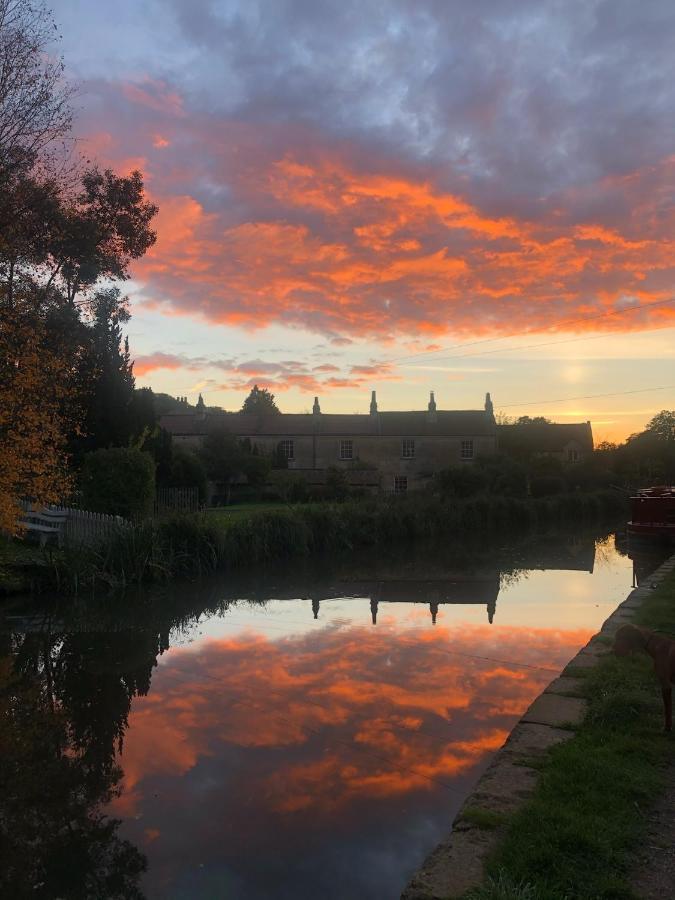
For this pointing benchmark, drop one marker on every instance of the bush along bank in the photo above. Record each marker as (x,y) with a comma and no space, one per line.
(193,545)
(577,835)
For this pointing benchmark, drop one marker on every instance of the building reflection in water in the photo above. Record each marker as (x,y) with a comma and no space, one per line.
(353,742)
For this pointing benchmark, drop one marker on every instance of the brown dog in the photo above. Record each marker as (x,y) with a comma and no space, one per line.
(662,651)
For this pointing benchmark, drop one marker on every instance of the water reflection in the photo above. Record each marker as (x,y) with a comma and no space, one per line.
(273,742)
(62,720)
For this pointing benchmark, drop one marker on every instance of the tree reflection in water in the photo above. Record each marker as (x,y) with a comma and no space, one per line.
(64,703)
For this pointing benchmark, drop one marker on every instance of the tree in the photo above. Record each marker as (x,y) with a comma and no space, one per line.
(35,415)
(119,481)
(662,425)
(649,456)
(187,470)
(222,457)
(34,101)
(110,413)
(260,402)
(535,420)
(59,236)
(100,232)
(226,460)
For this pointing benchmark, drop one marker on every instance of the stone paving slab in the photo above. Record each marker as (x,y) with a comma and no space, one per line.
(504,785)
(553,709)
(565,684)
(453,868)
(528,740)
(583,660)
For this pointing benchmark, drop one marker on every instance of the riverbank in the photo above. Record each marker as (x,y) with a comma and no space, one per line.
(189,546)
(590,757)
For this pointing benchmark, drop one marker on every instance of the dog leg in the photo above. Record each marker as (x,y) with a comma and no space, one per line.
(667,693)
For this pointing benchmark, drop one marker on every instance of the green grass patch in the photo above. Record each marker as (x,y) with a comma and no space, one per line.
(487,819)
(574,837)
(238,511)
(502,887)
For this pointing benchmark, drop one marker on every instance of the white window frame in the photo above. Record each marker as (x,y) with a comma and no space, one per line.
(408,448)
(400,484)
(466,449)
(287,449)
(346,452)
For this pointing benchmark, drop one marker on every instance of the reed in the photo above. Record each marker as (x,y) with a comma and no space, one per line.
(196,544)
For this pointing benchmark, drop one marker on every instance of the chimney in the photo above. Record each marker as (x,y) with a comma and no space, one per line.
(373,404)
(432,407)
(489,409)
(316,409)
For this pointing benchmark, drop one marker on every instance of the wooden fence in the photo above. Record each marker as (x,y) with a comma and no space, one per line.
(170,500)
(82,527)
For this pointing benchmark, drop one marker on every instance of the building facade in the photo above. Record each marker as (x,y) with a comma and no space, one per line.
(395,451)
(569,442)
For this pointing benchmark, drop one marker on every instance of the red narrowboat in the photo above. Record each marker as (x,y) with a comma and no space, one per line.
(653,512)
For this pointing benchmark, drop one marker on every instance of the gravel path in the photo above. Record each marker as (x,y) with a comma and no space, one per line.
(653,876)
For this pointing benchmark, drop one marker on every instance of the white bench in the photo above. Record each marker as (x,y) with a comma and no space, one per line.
(45,523)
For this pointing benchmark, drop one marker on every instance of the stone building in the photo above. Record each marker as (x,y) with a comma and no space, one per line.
(569,442)
(395,451)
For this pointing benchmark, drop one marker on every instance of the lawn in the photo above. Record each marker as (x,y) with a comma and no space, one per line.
(574,838)
(238,511)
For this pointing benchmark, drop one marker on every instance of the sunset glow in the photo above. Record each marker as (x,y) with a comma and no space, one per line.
(444,187)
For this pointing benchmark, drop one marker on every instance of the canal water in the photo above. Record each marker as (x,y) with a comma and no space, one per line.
(307,733)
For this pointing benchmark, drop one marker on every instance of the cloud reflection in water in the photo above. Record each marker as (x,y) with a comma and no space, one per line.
(248,748)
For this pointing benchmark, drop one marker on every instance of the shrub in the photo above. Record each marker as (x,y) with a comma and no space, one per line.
(461,481)
(505,477)
(119,481)
(187,470)
(337,486)
(288,486)
(546,485)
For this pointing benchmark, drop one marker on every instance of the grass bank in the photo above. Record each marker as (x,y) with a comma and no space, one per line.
(574,838)
(21,566)
(236,538)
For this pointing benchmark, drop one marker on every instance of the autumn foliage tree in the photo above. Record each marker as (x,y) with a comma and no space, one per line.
(65,227)
(35,421)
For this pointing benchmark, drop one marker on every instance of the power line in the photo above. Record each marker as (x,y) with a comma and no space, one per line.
(574,340)
(558,324)
(447,651)
(664,387)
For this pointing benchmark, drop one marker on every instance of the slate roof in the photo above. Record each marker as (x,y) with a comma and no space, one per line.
(546,437)
(447,423)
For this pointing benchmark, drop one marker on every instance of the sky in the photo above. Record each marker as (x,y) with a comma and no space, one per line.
(405,196)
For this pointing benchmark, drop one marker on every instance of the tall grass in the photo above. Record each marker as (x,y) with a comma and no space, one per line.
(192,545)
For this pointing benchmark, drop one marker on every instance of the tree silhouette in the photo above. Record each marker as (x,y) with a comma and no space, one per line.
(260,402)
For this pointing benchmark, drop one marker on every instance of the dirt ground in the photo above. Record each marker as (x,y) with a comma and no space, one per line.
(653,874)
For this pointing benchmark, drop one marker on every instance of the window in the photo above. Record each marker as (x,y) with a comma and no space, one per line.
(466,451)
(286,449)
(408,449)
(400,484)
(572,455)
(346,449)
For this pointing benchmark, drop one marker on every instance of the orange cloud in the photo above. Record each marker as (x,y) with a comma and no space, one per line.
(262,223)
(153,361)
